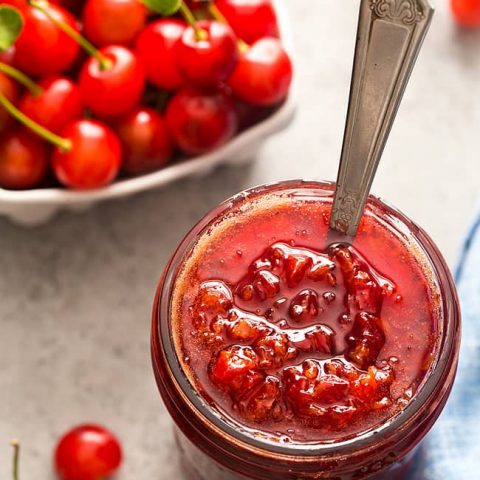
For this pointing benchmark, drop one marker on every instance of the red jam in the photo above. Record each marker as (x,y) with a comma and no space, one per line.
(299,339)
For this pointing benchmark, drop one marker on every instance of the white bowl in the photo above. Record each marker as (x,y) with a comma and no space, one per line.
(34,207)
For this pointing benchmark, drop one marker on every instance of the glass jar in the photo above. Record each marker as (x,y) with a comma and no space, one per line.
(212,448)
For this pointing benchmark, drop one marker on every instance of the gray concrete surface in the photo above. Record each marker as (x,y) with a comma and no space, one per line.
(75,295)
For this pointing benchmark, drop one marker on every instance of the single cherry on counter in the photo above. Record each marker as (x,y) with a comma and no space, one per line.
(466,12)
(299,345)
(87,452)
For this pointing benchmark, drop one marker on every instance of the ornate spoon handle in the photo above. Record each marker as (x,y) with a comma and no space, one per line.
(390,34)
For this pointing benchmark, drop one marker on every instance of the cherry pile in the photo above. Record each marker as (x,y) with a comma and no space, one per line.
(300,335)
(94,89)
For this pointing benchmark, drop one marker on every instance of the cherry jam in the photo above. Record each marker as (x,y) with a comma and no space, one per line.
(283,338)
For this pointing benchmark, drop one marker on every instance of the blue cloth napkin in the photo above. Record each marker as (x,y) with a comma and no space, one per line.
(451,450)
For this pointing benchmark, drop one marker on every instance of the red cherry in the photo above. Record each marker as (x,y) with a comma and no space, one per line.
(43,48)
(18,4)
(8,56)
(9,89)
(145,140)
(116,22)
(466,12)
(209,61)
(116,89)
(250,19)
(263,74)
(23,159)
(155,49)
(93,159)
(200,120)
(87,452)
(59,103)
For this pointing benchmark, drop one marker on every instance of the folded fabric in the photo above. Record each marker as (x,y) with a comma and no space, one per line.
(451,450)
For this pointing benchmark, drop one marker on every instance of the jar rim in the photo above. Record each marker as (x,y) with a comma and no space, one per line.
(433,382)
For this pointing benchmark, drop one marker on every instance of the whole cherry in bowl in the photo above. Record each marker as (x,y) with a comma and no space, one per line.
(129,64)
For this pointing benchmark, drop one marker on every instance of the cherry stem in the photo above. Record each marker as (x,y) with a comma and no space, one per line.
(16,454)
(42,5)
(62,143)
(21,78)
(187,14)
(216,13)
(220,17)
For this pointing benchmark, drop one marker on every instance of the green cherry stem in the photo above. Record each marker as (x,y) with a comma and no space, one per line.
(62,143)
(220,17)
(21,78)
(187,14)
(216,13)
(42,5)
(16,454)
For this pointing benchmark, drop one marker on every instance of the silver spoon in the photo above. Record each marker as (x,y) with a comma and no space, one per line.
(390,34)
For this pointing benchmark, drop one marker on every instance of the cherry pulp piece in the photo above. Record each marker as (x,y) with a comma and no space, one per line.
(145,140)
(87,452)
(466,12)
(155,48)
(94,157)
(250,19)
(42,47)
(116,88)
(23,159)
(209,60)
(201,120)
(113,22)
(59,103)
(343,382)
(263,74)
